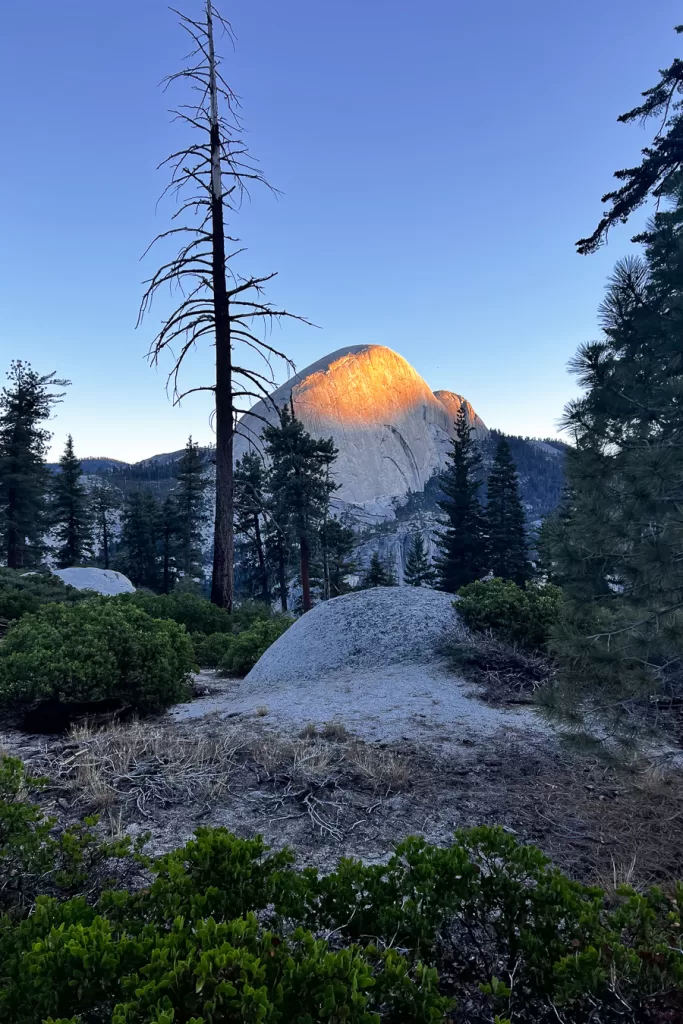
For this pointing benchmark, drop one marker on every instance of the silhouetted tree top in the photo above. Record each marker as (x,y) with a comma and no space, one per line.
(662,160)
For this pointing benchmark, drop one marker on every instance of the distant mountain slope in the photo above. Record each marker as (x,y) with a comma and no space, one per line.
(393,434)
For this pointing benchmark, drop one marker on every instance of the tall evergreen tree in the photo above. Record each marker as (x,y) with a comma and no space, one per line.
(656,175)
(171,540)
(185,523)
(618,545)
(505,521)
(70,512)
(138,557)
(250,512)
(463,541)
(337,543)
(105,505)
(25,404)
(419,571)
(377,574)
(300,485)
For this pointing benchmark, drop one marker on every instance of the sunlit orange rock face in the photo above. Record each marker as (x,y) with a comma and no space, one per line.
(392,432)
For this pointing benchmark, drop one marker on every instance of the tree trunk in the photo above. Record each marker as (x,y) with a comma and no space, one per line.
(282,575)
(222,582)
(105,542)
(261,558)
(305,572)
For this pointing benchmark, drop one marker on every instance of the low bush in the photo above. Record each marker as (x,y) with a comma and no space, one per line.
(21,593)
(210,650)
(196,613)
(225,930)
(95,650)
(522,615)
(246,648)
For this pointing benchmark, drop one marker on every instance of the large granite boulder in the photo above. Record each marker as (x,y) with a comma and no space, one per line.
(365,630)
(102,581)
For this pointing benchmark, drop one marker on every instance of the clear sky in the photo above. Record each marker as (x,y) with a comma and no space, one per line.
(437,162)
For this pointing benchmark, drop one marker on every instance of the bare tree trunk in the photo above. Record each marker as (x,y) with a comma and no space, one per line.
(222,583)
(305,553)
(261,558)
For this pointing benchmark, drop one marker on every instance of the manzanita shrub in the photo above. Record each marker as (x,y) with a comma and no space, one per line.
(95,650)
(24,592)
(520,615)
(236,653)
(223,929)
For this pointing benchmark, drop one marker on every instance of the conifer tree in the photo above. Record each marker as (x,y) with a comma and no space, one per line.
(139,554)
(70,511)
(377,574)
(618,545)
(300,485)
(505,520)
(105,504)
(337,543)
(185,522)
(419,571)
(172,539)
(250,512)
(25,403)
(655,176)
(463,541)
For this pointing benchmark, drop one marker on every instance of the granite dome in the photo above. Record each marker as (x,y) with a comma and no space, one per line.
(391,430)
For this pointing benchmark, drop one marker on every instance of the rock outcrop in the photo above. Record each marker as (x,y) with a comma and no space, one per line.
(102,581)
(391,430)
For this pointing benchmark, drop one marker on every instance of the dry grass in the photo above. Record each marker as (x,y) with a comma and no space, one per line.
(147,765)
(336,731)
(311,760)
(262,711)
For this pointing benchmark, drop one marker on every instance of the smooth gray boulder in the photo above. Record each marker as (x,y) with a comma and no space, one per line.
(102,581)
(364,630)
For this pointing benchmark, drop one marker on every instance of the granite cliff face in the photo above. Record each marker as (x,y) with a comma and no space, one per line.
(392,432)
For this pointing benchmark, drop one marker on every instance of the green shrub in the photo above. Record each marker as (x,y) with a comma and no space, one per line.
(94,650)
(228,931)
(20,593)
(245,649)
(522,615)
(196,613)
(210,650)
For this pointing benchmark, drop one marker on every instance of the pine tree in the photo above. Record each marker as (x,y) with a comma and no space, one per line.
(463,541)
(657,173)
(105,504)
(505,521)
(618,545)
(377,574)
(24,479)
(138,557)
(70,512)
(337,543)
(300,486)
(172,542)
(419,571)
(250,512)
(185,522)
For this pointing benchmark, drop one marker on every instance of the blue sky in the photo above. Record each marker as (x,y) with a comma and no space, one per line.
(437,163)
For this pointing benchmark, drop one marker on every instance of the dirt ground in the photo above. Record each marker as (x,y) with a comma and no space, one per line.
(327,793)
